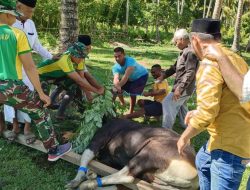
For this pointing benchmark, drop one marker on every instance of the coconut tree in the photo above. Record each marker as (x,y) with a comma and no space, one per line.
(69,28)
(217,9)
(236,43)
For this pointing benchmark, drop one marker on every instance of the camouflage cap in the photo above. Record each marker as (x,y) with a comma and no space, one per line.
(9,6)
(78,50)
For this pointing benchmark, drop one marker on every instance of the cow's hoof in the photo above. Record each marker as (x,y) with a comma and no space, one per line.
(73,184)
(88,185)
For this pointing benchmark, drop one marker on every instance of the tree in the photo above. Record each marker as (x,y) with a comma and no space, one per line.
(69,28)
(217,9)
(236,43)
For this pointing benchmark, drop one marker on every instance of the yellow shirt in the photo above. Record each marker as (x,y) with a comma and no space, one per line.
(160,86)
(219,110)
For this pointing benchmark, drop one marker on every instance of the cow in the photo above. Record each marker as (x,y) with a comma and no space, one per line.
(139,151)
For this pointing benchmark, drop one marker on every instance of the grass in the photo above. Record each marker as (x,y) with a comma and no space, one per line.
(23,168)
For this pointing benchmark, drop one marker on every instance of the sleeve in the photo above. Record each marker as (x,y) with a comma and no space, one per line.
(169,72)
(131,62)
(80,66)
(191,67)
(23,45)
(39,48)
(246,88)
(65,65)
(209,90)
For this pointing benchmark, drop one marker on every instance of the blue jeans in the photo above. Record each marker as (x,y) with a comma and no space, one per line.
(219,170)
(171,108)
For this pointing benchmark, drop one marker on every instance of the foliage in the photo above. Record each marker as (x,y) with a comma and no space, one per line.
(105,19)
(101,106)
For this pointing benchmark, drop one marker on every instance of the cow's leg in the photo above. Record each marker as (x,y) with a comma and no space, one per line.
(119,177)
(87,156)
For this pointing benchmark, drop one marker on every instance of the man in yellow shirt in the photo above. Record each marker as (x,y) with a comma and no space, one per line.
(159,92)
(222,161)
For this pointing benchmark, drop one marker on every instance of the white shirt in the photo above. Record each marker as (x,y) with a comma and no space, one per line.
(246,88)
(30,30)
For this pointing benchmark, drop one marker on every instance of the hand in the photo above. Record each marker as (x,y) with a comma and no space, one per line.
(57,56)
(146,94)
(177,94)
(213,52)
(46,99)
(89,96)
(101,91)
(181,144)
(118,88)
(189,116)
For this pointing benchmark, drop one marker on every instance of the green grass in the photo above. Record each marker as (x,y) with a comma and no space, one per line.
(27,169)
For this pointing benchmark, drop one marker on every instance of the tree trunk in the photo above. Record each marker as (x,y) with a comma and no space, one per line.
(236,43)
(204,8)
(209,8)
(217,9)
(182,6)
(69,26)
(178,6)
(127,16)
(157,24)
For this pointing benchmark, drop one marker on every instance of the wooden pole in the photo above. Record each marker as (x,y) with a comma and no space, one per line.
(96,166)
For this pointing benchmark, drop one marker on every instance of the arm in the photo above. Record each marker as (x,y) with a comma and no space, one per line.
(125,77)
(92,80)
(169,72)
(231,76)
(155,92)
(209,89)
(191,65)
(38,47)
(32,74)
(83,83)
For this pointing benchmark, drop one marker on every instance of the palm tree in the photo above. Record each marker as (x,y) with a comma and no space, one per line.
(209,7)
(69,26)
(217,9)
(236,43)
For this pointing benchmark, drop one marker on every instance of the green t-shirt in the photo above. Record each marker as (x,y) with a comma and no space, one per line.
(58,68)
(13,42)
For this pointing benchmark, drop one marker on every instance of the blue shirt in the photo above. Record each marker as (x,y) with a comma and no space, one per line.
(138,72)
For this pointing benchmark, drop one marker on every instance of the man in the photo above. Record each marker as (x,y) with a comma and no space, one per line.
(185,69)
(70,95)
(222,161)
(68,71)
(134,77)
(239,84)
(15,52)
(159,91)
(24,23)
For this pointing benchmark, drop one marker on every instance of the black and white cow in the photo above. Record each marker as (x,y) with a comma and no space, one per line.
(141,152)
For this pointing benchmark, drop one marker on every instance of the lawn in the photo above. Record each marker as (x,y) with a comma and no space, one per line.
(28,169)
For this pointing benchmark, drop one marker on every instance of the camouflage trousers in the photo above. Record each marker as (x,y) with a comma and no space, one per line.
(16,94)
(62,83)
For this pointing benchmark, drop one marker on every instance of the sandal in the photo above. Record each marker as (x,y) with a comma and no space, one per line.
(11,136)
(30,138)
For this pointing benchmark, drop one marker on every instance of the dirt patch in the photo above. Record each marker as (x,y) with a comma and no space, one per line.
(119,44)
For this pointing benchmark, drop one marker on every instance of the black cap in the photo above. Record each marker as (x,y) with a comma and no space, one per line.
(206,26)
(29,3)
(85,39)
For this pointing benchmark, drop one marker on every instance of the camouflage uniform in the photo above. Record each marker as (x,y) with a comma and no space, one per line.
(15,93)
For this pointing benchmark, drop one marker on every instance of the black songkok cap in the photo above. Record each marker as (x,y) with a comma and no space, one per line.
(29,3)
(206,26)
(85,39)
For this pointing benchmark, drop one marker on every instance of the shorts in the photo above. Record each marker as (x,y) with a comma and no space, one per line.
(136,86)
(152,108)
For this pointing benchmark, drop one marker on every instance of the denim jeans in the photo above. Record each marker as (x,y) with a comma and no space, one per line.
(219,170)
(171,108)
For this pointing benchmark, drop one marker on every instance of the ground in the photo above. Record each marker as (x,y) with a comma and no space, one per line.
(28,169)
